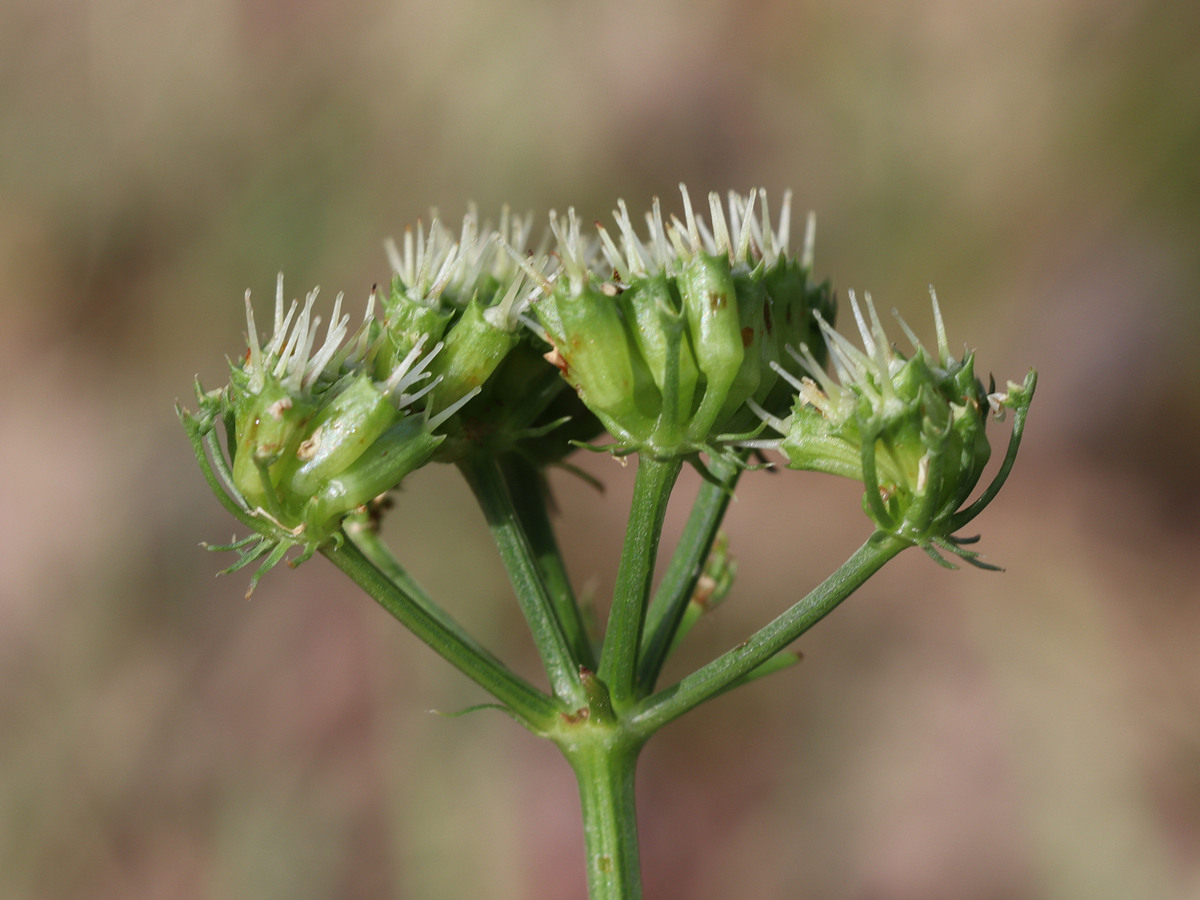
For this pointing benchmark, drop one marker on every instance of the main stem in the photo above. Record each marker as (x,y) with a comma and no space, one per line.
(604,770)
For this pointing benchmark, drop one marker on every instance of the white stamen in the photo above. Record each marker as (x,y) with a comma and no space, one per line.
(908,332)
(810,235)
(720,230)
(279,304)
(434,421)
(404,400)
(774,421)
(848,361)
(677,234)
(743,247)
(658,235)
(864,330)
(504,315)
(783,235)
(613,254)
(393,255)
(281,330)
(408,273)
(762,230)
(692,230)
(787,376)
(942,344)
(405,374)
(252,339)
(529,268)
(638,256)
(286,364)
(814,369)
(298,367)
(882,353)
(445,273)
(996,403)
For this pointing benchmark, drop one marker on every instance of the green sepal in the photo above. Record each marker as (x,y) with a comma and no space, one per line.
(339,433)
(595,354)
(473,349)
(652,308)
(790,321)
(754,376)
(403,448)
(268,427)
(407,323)
(710,303)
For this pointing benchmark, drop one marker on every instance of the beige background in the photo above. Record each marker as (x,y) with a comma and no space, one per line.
(1033,734)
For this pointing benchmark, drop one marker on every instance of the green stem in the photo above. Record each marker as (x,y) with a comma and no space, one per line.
(530,706)
(623,636)
(526,487)
(721,673)
(379,554)
(679,583)
(604,771)
(486,480)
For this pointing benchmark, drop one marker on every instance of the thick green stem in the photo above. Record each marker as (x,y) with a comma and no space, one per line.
(531,707)
(725,670)
(679,583)
(623,636)
(604,771)
(526,487)
(534,596)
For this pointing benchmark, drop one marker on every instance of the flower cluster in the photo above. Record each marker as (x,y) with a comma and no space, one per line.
(911,428)
(667,338)
(673,339)
(318,429)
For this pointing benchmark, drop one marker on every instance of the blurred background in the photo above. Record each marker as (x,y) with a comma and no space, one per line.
(1030,735)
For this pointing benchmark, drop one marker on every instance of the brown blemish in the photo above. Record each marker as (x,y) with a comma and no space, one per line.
(578,717)
(557,360)
(705,588)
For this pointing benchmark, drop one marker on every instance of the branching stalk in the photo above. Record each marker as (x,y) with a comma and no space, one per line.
(622,638)
(533,593)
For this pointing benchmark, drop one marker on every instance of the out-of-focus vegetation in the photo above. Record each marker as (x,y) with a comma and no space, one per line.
(1033,734)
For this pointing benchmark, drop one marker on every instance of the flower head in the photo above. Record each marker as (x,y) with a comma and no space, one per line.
(667,335)
(462,289)
(313,434)
(911,428)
